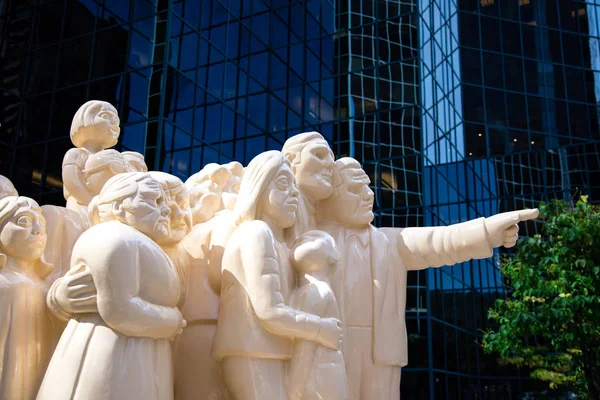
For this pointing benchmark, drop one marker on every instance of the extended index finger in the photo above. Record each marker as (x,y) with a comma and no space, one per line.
(525,215)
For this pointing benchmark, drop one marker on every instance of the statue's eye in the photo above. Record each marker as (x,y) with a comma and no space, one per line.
(24,221)
(282,183)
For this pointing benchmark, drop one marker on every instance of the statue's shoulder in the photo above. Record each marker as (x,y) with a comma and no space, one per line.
(252,235)
(110,236)
(256,227)
(75,155)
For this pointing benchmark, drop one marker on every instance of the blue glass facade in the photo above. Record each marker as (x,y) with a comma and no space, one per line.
(194,81)
(499,114)
(457,109)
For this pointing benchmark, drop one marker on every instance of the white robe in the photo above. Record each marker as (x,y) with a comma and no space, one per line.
(123,352)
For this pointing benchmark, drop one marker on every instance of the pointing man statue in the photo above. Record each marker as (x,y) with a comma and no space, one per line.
(370,280)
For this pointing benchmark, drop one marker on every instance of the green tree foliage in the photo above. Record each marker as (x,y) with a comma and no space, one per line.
(550,322)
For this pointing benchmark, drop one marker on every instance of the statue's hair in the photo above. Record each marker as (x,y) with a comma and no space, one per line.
(257,176)
(11,204)
(134,156)
(295,144)
(207,173)
(341,165)
(236,168)
(298,257)
(168,181)
(5,183)
(104,157)
(118,188)
(307,237)
(85,117)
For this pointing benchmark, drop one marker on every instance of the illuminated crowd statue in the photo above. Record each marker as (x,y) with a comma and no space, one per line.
(261,282)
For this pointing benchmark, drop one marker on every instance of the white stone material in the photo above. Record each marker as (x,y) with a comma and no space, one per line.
(264,282)
(27,332)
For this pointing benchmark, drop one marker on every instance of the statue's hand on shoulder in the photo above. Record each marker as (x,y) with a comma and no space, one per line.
(330,333)
(502,229)
(74,293)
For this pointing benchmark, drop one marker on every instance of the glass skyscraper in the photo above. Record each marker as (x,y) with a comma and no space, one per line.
(462,109)
(194,81)
(457,109)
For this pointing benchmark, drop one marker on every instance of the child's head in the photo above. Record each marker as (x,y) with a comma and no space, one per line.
(101,166)
(135,161)
(313,251)
(95,126)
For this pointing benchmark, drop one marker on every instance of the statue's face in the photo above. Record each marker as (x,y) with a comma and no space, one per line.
(24,235)
(354,206)
(206,201)
(206,196)
(314,171)
(148,211)
(178,200)
(279,201)
(106,122)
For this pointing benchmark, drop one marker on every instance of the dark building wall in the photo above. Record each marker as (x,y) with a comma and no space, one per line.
(194,81)
(526,131)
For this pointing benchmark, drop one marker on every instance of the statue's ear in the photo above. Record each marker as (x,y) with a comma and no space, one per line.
(2,260)
(118,209)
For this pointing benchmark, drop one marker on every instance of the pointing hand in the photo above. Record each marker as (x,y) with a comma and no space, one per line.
(503,228)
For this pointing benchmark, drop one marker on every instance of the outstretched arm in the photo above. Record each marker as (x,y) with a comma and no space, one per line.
(448,245)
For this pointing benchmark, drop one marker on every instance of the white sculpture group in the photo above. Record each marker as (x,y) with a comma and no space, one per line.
(264,282)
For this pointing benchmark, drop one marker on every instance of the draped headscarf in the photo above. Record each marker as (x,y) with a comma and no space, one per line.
(119,187)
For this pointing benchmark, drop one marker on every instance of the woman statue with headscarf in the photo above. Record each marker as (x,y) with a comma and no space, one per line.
(27,334)
(256,325)
(122,351)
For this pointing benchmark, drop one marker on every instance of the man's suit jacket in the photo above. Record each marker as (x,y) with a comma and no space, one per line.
(393,252)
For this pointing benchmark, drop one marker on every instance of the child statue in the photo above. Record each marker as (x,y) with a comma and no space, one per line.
(95,127)
(27,333)
(315,371)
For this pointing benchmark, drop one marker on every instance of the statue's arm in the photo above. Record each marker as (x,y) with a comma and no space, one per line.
(72,294)
(263,285)
(421,248)
(72,175)
(448,245)
(117,277)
